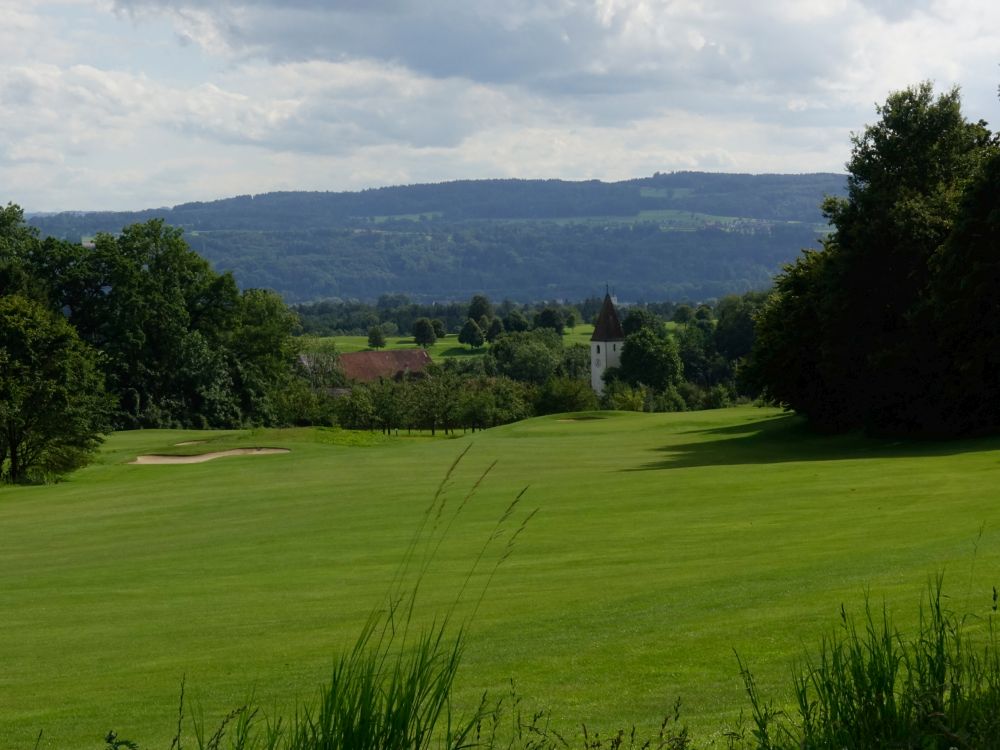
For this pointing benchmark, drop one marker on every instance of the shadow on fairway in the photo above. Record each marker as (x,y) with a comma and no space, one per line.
(787,438)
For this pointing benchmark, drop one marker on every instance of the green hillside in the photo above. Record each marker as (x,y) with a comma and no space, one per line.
(683,235)
(661,543)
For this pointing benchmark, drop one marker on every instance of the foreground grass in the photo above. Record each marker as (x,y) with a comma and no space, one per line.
(662,543)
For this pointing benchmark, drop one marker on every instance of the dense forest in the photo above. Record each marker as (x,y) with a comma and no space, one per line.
(892,326)
(137,331)
(683,235)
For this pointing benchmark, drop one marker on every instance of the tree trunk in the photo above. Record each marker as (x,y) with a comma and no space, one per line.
(15,462)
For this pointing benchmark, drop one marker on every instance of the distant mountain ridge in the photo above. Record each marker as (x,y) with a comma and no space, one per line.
(672,235)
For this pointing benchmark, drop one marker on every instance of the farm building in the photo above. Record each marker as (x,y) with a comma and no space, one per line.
(367,367)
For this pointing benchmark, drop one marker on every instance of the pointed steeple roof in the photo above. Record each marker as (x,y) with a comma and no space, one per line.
(608,327)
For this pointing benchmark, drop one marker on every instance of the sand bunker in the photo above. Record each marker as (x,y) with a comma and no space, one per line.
(203,457)
(192,442)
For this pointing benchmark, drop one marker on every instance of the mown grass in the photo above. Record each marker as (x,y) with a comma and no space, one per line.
(444,348)
(662,543)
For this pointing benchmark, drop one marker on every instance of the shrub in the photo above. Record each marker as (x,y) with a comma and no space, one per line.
(565,394)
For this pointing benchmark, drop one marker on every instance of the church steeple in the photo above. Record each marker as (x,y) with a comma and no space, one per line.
(608,327)
(605,343)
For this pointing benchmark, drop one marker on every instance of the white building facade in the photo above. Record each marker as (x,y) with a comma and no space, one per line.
(605,344)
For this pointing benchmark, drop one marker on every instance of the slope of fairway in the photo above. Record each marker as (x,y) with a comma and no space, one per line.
(661,543)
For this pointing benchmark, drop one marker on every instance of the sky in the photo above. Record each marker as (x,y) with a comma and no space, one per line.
(129,104)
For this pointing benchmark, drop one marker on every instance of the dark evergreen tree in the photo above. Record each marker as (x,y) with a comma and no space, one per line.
(495,329)
(480,307)
(376,338)
(471,334)
(550,317)
(515,321)
(423,332)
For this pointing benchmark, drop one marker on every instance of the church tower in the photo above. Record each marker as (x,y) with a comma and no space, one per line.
(605,344)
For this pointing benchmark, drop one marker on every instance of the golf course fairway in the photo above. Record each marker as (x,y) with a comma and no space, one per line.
(661,544)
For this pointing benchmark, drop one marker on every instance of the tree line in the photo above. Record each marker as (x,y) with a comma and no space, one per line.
(670,236)
(646,258)
(691,361)
(136,331)
(396,314)
(893,326)
(766,197)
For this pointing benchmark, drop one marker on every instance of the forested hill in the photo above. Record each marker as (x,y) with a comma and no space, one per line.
(678,235)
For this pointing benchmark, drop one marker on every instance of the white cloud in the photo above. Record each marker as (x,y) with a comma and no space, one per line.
(128,103)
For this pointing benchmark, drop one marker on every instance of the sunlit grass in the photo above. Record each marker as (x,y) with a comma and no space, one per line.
(662,543)
(443,348)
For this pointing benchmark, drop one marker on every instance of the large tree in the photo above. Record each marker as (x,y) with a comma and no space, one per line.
(550,317)
(52,403)
(734,329)
(17,243)
(480,307)
(471,334)
(528,356)
(262,352)
(650,359)
(848,338)
(965,290)
(423,332)
(180,345)
(495,329)
(376,338)
(641,317)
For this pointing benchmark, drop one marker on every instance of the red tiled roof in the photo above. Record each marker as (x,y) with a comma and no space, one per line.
(364,367)
(608,328)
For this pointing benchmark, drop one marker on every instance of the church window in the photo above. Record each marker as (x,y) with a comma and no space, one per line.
(598,348)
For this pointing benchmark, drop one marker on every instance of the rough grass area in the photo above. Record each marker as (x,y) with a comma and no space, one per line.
(662,543)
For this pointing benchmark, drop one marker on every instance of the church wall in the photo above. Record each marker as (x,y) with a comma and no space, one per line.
(603,354)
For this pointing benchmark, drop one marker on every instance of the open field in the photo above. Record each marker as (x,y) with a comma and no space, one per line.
(662,542)
(442,349)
